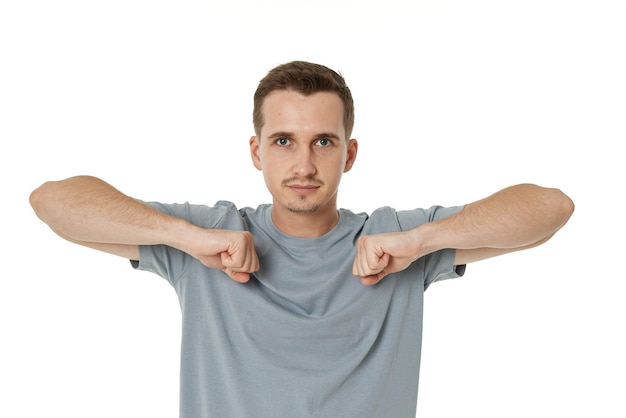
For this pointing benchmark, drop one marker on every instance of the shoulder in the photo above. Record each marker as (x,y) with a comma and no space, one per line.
(388,219)
(223,214)
(413,218)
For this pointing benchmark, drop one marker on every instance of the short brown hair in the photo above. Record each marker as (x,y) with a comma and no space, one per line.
(305,78)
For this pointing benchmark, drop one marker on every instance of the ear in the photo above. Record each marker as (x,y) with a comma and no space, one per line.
(254,152)
(353,148)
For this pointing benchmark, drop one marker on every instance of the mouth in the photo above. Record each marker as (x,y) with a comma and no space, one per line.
(303,188)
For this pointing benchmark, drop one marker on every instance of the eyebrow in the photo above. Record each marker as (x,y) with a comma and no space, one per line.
(327,135)
(283,134)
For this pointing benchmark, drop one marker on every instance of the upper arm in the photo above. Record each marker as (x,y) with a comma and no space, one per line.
(476,254)
(465,256)
(130,252)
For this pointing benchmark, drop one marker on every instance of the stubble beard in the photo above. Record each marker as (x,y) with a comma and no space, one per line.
(303,207)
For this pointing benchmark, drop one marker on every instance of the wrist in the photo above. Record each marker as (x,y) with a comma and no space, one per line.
(427,238)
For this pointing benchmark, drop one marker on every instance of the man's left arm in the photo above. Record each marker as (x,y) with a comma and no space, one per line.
(515,218)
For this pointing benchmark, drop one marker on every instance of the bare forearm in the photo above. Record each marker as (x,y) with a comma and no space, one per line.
(517,217)
(512,219)
(87,209)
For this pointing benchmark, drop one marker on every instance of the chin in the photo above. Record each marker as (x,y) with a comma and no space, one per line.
(303,209)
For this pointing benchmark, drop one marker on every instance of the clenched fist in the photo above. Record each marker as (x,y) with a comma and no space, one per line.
(382,254)
(230,251)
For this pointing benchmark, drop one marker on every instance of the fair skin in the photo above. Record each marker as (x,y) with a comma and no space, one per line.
(303,152)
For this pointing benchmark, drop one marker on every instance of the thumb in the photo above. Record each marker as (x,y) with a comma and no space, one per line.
(377,272)
(238,276)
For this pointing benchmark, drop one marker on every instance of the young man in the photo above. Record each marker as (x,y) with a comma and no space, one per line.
(298,309)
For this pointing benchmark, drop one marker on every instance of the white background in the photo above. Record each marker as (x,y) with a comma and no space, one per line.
(454,101)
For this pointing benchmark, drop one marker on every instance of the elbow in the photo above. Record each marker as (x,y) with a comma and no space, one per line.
(569,206)
(41,199)
(564,206)
(37,198)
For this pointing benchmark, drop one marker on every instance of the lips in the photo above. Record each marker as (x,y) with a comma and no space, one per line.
(300,183)
(303,188)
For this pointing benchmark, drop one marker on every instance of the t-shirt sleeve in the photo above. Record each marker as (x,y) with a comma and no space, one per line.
(171,263)
(440,264)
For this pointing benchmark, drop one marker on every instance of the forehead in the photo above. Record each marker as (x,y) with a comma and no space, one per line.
(288,110)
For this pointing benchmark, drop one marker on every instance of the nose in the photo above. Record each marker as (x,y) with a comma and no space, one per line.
(304,165)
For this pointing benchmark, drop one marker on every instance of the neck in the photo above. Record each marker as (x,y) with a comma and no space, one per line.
(305,225)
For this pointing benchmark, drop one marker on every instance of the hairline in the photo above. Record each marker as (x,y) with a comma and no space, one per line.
(305,94)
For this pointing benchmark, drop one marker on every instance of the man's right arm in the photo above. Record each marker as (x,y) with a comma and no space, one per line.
(88,211)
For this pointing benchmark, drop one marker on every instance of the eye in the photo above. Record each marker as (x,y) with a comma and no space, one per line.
(283,142)
(324,142)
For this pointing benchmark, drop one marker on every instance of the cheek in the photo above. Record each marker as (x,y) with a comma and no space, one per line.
(332,172)
(271,173)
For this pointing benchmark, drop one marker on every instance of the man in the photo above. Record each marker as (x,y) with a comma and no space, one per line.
(275,323)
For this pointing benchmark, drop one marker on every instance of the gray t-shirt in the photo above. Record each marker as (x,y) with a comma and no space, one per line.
(303,338)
